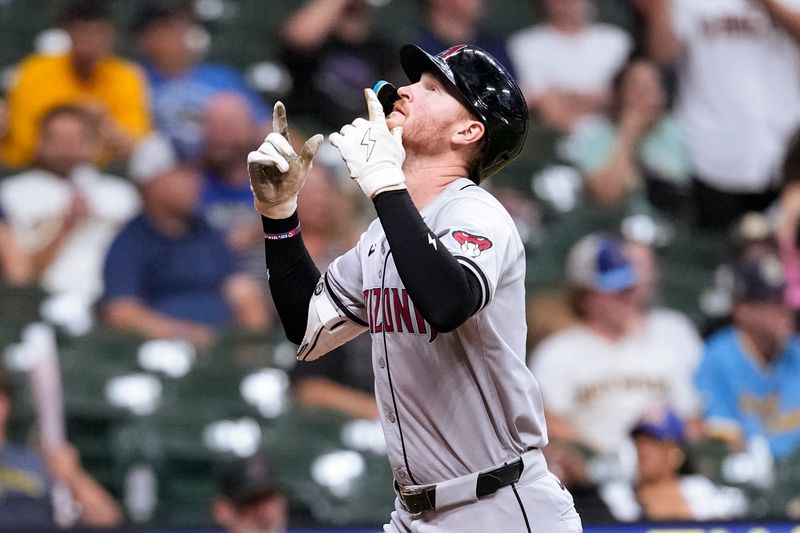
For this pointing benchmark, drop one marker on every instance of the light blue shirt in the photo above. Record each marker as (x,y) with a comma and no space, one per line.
(761,400)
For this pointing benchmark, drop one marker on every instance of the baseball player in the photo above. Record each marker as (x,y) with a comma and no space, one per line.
(438,282)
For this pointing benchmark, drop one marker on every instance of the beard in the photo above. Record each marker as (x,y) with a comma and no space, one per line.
(426,135)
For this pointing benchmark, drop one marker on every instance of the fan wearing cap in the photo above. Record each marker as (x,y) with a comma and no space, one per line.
(665,487)
(249,497)
(600,375)
(438,281)
(749,377)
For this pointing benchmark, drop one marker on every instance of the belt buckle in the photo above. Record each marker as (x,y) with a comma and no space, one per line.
(405,492)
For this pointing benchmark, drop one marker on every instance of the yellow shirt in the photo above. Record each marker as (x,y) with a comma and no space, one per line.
(43,82)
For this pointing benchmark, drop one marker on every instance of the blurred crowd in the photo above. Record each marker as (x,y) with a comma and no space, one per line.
(125,191)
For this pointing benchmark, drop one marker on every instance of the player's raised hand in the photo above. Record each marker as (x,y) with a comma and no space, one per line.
(277,173)
(374,155)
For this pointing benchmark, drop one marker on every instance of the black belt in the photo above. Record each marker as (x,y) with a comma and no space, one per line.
(423,499)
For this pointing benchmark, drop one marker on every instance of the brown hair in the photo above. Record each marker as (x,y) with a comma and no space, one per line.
(75,111)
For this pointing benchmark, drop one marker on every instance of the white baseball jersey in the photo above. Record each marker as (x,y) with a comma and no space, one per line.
(739,91)
(450,403)
(603,387)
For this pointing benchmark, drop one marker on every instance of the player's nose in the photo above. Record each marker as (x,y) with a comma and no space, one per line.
(405,92)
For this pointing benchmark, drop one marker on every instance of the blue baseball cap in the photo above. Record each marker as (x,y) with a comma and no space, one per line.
(661,424)
(599,263)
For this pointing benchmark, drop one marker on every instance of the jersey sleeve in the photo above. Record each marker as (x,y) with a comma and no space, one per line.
(482,239)
(344,284)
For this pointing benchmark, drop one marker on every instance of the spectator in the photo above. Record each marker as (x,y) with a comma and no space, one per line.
(751,237)
(343,380)
(14,262)
(667,326)
(168,273)
(332,53)
(249,498)
(738,71)
(64,212)
(226,200)
(566,461)
(565,64)
(599,376)
(788,226)
(665,488)
(787,231)
(89,76)
(750,372)
(331,215)
(181,84)
(637,150)
(452,22)
(27,480)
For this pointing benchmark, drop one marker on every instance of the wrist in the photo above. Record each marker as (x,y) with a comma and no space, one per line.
(283,226)
(279,211)
(382,180)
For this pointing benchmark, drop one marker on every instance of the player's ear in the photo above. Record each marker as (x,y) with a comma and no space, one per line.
(468,131)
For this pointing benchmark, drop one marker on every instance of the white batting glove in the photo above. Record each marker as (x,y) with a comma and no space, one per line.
(373,154)
(277,173)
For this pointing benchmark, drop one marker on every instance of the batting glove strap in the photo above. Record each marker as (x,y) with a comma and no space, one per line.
(389,179)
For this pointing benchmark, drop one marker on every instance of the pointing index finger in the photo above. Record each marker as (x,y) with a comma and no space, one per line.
(279,122)
(374,107)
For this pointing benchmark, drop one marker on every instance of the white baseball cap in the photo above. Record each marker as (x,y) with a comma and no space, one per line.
(598,262)
(152,156)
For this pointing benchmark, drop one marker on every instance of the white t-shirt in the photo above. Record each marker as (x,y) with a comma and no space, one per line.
(545,58)
(603,387)
(739,91)
(35,203)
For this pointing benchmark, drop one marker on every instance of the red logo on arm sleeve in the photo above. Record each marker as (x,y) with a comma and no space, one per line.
(472,245)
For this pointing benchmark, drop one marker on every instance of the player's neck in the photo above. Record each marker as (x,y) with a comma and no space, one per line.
(427,179)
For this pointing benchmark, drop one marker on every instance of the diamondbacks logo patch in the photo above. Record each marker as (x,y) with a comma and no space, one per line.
(472,245)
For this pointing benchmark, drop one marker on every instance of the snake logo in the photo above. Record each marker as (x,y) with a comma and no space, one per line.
(472,245)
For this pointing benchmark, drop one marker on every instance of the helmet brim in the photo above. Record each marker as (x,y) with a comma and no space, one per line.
(416,61)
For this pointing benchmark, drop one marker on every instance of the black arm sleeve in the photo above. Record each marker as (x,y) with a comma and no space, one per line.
(445,292)
(292,276)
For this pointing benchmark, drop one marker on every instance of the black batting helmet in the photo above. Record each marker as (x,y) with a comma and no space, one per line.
(487,89)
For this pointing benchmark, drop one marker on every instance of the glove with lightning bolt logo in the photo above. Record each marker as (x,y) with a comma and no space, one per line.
(374,155)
